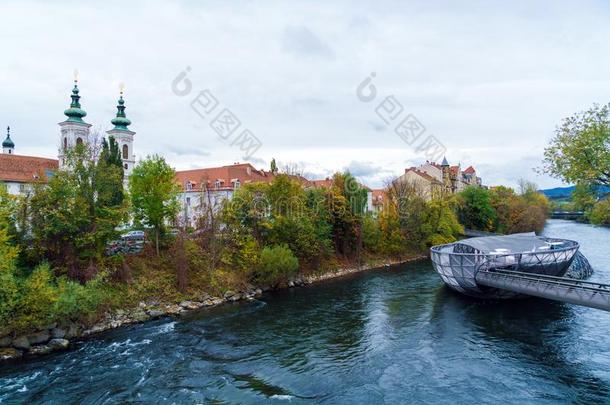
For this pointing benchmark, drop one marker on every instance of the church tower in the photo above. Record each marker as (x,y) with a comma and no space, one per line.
(8,146)
(74,131)
(446,175)
(123,136)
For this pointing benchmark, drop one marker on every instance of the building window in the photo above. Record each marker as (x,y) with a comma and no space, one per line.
(126,166)
(217,184)
(22,188)
(125,152)
(10,151)
(79,141)
(188,201)
(236,184)
(65,143)
(189,186)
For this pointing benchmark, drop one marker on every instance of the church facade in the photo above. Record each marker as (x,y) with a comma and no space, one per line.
(19,172)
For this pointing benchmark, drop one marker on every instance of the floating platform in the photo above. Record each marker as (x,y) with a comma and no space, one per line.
(518,265)
(459,263)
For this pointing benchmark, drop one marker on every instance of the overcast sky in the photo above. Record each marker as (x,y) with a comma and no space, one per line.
(490,80)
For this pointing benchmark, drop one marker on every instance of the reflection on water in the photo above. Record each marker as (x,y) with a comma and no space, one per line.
(393,335)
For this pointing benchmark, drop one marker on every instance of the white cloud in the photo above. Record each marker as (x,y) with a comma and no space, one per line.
(490,80)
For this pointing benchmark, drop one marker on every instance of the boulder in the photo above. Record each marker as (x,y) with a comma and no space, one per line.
(95,329)
(155,313)
(258,291)
(5,341)
(39,337)
(190,305)
(10,353)
(229,294)
(21,342)
(139,316)
(40,349)
(58,333)
(235,297)
(59,344)
(72,331)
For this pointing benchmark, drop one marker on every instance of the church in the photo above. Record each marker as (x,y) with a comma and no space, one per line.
(18,172)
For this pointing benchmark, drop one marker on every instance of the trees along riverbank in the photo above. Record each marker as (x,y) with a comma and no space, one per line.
(501,209)
(55,273)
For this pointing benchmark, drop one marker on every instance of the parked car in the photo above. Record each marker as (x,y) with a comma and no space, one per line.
(134,235)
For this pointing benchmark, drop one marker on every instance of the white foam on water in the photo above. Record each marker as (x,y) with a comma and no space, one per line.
(282,397)
(167,327)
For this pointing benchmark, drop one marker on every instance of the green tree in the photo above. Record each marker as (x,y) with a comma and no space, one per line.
(154,194)
(110,161)
(580,150)
(441,223)
(273,167)
(475,210)
(75,215)
(600,214)
(584,197)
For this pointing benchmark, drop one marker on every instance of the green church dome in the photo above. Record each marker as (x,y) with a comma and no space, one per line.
(8,142)
(75,113)
(121,122)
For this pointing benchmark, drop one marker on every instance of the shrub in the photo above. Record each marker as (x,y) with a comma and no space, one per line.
(276,263)
(371,234)
(600,215)
(38,298)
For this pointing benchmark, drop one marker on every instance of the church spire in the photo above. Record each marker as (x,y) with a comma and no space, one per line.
(8,145)
(121,122)
(75,113)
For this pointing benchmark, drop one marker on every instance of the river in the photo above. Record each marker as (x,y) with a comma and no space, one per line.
(394,335)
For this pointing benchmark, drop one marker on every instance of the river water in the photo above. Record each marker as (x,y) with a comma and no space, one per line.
(394,335)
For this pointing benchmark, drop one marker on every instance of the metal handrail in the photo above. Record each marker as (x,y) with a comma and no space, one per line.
(568,282)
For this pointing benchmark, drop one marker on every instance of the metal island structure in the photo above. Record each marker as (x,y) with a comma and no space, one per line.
(517,265)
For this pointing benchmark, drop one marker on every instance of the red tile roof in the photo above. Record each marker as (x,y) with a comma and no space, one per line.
(25,169)
(328,183)
(227,175)
(470,170)
(454,169)
(325,183)
(379,196)
(421,174)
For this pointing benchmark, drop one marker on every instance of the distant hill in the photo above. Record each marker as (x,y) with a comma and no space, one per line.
(566,192)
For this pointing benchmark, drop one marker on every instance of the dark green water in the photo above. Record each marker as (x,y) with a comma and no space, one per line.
(393,335)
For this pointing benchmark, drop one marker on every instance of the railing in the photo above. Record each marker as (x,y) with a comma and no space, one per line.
(585,293)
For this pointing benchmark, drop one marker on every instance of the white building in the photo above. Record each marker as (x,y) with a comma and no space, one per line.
(208,188)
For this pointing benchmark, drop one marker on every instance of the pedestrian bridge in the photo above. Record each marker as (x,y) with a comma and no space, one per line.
(585,293)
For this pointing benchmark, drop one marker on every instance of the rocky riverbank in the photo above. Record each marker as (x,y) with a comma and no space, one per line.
(57,337)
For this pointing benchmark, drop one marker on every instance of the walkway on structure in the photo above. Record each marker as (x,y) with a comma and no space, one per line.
(585,293)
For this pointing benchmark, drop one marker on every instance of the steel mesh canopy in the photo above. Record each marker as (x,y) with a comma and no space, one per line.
(515,243)
(459,263)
